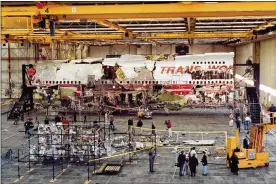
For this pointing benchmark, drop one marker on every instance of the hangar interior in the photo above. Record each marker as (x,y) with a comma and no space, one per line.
(34,33)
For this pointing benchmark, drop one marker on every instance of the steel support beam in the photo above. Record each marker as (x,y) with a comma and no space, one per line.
(169,10)
(128,33)
(196,35)
(68,37)
(80,37)
(191,22)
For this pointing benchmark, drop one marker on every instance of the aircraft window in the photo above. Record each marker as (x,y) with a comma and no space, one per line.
(135,82)
(75,82)
(60,82)
(79,82)
(67,82)
(139,82)
(223,62)
(190,82)
(216,62)
(128,82)
(208,82)
(46,82)
(102,82)
(220,82)
(231,82)
(219,62)
(156,82)
(193,62)
(212,82)
(64,82)
(208,62)
(149,82)
(153,82)
(226,82)
(197,82)
(50,82)
(205,62)
(200,62)
(121,82)
(72,82)
(197,62)
(212,62)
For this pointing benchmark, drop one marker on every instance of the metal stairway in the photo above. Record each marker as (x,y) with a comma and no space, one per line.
(254,104)
(24,104)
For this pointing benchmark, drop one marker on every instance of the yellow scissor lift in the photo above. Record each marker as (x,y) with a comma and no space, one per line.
(255,156)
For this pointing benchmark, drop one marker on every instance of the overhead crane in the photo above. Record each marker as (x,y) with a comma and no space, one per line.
(12,16)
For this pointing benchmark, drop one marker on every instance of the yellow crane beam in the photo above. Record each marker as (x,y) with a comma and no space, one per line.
(115,26)
(165,10)
(47,38)
(191,22)
(76,36)
(197,35)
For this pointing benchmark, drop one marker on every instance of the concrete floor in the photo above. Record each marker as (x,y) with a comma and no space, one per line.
(166,172)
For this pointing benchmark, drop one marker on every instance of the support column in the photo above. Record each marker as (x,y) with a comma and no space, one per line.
(256,52)
(9,67)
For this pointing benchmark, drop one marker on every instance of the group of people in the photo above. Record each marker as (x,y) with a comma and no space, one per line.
(190,161)
(183,162)
(236,116)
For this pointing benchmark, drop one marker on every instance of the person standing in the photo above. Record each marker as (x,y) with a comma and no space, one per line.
(272,109)
(130,125)
(16,116)
(181,160)
(169,127)
(246,142)
(30,128)
(234,164)
(46,121)
(193,163)
(75,116)
(151,159)
(204,163)
(238,123)
(26,128)
(140,125)
(36,124)
(111,123)
(85,118)
(247,122)
(152,129)
(193,152)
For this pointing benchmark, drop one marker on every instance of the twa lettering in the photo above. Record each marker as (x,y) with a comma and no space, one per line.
(187,69)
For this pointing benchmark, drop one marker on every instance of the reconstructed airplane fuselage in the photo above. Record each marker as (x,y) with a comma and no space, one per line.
(208,72)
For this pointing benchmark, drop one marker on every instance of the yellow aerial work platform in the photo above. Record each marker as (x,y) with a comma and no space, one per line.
(255,156)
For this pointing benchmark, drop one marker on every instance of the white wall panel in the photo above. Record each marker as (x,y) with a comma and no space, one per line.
(243,52)
(268,67)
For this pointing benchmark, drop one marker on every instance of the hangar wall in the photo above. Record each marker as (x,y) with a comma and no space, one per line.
(267,66)
(97,51)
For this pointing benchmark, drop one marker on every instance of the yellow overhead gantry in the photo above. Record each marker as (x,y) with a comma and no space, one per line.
(101,13)
(132,11)
(72,36)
